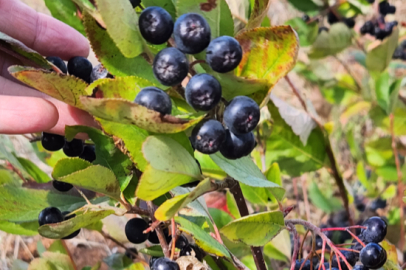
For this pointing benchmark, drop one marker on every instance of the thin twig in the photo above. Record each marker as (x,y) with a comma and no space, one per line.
(69,254)
(17,171)
(196,62)
(84,196)
(159,231)
(242,207)
(295,245)
(119,244)
(238,17)
(401,243)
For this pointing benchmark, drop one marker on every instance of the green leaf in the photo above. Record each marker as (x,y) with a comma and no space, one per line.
(52,261)
(6,177)
(111,57)
(203,239)
(304,5)
(269,53)
(133,138)
(379,152)
(209,167)
(280,247)
(165,170)
(382,89)
(259,12)
(17,49)
(125,112)
(217,14)
(245,171)
(122,26)
(155,251)
(65,11)
(88,7)
(338,38)
(107,154)
(7,151)
(83,174)
(37,174)
(170,207)
(381,120)
(220,217)
(232,205)
(362,176)
(63,87)
(117,261)
(266,225)
(58,246)
(197,208)
(307,32)
(25,228)
(83,219)
(20,204)
(326,203)
(380,56)
(168,5)
(392,256)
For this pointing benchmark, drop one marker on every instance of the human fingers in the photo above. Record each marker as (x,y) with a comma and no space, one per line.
(41,32)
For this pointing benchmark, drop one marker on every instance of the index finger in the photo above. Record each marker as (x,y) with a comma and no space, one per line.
(41,32)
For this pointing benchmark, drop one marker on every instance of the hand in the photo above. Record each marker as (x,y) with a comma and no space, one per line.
(23,109)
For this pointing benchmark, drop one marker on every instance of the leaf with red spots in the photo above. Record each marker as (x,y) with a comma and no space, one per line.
(60,86)
(126,112)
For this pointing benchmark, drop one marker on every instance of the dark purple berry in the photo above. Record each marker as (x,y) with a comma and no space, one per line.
(181,242)
(373,256)
(164,264)
(154,99)
(367,28)
(134,230)
(153,237)
(156,25)
(52,142)
(306,265)
(208,136)
(379,203)
(89,153)
(170,66)
(58,62)
(350,22)
(224,54)
(332,18)
(241,115)
(203,92)
(80,67)
(376,230)
(62,186)
(50,215)
(237,146)
(191,33)
(73,148)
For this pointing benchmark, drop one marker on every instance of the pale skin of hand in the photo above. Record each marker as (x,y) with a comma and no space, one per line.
(23,109)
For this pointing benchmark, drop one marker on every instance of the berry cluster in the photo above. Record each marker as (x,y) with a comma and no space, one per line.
(73,148)
(51,215)
(365,252)
(400,52)
(378,27)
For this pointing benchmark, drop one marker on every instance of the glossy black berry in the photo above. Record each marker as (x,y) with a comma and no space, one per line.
(306,18)
(50,215)
(376,230)
(73,148)
(135,3)
(241,115)
(379,203)
(192,250)
(52,142)
(323,28)
(203,92)
(153,237)
(350,22)
(224,54)
(99,72)
(80,67)
(367,28)
(61,186)
(385,8)
(58,62)
(208,136)
(191,33)
(237,146)
(156,25)
(131,253)
(154,99)
(170,66)
(89,153)
(66,217)
(181,242)
(164,264)
(349,256)
(332,18)
(134,230)
(373,256)
(306,264)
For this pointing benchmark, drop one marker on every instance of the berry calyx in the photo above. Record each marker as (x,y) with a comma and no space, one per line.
(134,230)
(208,136)
(58,62)
(89,153)
(154,99)
(373,256)
(52,142)
(191,33)
(61,186)
(80,67)
(237,146)
(224,54)
(164,264)
(73,148)
(50,215)
(170,66)
(376,230)
(241,115)
(66,217)
(99,72)
(203,92)
(156,25)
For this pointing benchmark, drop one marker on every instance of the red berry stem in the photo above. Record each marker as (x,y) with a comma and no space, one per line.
(295,235)
(323,250)
(174,237)
(356,237)
(348,249)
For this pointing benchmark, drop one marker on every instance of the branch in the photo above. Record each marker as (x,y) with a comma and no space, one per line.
(159,231)
(242,207)
(401,243)
(335,172)
(14,169)
(295,247)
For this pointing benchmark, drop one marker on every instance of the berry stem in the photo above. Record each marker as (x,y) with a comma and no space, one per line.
(84,196)
(174,237)
(295,235)
(69,254)
(356,237)
(343,228)
(348,249)
(159,231)
(401,243)
(243,209)
(14,169)
(323,250)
